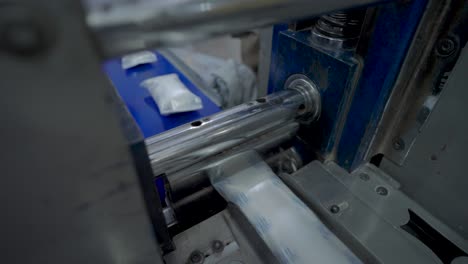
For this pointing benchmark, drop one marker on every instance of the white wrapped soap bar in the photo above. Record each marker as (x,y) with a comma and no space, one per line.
(171,95)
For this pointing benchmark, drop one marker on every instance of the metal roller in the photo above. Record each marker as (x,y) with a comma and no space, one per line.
(188,144)
(192,178)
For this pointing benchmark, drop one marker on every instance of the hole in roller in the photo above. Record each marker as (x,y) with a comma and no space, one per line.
(261,100)
(301,108)
(196,123)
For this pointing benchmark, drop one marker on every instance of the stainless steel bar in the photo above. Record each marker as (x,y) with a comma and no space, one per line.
(191,143)
(185,181)
(124,26)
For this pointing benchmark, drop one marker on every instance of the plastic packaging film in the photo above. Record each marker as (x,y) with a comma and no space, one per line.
(138,58)
(171,95)
(290,229)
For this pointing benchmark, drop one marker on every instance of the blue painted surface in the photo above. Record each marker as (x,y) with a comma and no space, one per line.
(139,101)
(141,105)
(394,29)
(333,75)
(292,53)
(277,29)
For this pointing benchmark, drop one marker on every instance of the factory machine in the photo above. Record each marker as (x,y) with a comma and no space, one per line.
(356,155)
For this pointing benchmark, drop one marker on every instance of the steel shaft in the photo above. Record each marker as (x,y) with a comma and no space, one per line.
(188,144)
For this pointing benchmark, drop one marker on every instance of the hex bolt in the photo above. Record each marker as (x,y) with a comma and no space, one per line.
(446,47)
(334,209)
(196,257)
(217,246)
(381,191)
(398,144)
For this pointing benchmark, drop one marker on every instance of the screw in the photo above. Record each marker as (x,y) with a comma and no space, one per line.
(398,143)
(364,177)
(381,190)
(217,246)
(334,209)
(197,257)
(445,47)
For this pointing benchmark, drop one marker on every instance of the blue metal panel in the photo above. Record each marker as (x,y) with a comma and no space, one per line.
(394,29)
(292,53)
(277,29)
(142,106)
(140,103)
(333,75)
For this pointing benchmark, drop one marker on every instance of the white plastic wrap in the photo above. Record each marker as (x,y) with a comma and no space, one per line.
(171,95)
(138,58)
(234,82)
(290,229)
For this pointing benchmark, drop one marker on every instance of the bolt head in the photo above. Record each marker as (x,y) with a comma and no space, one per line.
(334,209)
(381,190)
(196,257)
(398,144)
(217,246)
(446,47)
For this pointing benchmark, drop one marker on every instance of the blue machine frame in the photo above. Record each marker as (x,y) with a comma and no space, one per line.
(139,101)
(358,107)
(142,106)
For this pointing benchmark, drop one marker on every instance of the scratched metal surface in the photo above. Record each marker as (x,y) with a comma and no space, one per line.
(434,173)
(394,29)
(333,75)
